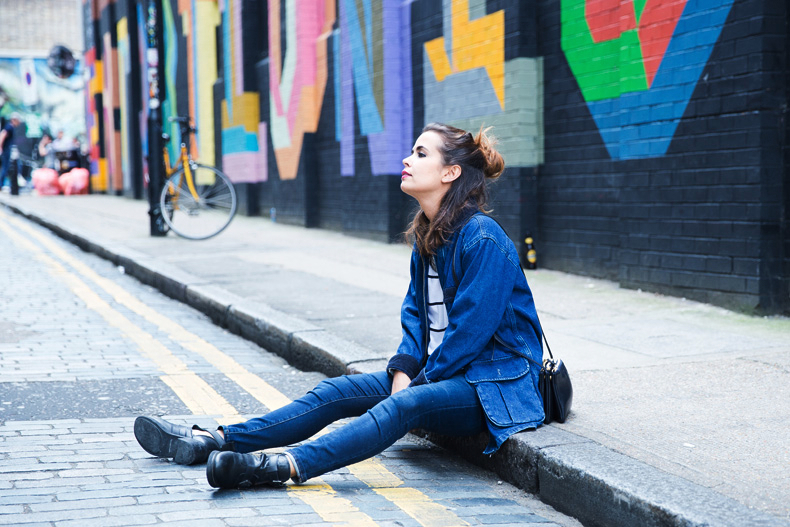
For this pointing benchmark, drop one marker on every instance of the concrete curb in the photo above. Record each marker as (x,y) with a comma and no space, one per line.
(575,475)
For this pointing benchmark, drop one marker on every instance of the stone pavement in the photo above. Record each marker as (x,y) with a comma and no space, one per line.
(680,409)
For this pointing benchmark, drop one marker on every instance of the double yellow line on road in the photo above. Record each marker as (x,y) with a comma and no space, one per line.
(202,399)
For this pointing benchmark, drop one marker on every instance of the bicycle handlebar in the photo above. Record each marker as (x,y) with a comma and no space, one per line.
(183,122)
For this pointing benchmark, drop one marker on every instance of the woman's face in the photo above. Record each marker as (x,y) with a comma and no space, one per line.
(424,173)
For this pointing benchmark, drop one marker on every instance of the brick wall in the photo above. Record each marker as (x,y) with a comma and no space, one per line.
(702,218)
(786,146)
(644,143)
(37,25)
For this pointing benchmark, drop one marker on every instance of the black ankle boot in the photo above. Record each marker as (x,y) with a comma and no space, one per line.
(231,470)
(163,439)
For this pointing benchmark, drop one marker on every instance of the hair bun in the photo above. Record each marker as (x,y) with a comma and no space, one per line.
(495,164)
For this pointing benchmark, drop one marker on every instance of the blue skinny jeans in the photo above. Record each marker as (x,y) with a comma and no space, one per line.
(449,407)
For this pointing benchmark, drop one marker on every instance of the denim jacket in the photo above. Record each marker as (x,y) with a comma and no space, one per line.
(492,324)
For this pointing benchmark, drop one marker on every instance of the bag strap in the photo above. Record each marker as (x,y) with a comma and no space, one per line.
(496,337)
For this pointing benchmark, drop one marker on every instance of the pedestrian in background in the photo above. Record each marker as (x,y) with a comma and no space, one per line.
(6,140)
(46,151)
(469,324)
(62,143)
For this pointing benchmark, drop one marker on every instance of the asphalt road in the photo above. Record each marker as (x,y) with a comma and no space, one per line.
(85,349)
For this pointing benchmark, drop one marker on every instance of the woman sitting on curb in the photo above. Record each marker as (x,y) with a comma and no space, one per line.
(469,322)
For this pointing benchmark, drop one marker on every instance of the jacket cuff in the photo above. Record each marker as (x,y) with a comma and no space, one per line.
(405,363)
(419,379)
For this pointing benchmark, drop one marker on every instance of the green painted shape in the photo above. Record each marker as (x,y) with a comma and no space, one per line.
(604,70)
(170,103)
(639,6)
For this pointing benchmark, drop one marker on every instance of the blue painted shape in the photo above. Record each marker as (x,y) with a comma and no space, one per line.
(688,53)
(450,99)
(369,117)
(237,140)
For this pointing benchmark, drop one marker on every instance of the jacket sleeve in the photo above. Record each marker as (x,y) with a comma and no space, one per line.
(408,359)
(486,282)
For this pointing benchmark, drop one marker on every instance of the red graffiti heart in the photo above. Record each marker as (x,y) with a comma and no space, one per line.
(655,25)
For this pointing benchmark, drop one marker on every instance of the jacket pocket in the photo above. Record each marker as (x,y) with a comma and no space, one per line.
(505,390)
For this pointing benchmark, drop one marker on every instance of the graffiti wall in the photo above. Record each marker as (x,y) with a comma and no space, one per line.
(659,114)
(47,103)
(635,131)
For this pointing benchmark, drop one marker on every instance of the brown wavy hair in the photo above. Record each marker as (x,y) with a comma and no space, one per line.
(479,162)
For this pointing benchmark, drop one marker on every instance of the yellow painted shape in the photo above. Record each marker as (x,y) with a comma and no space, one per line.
(100,183)
(96,83)
(121,29)
(245,112)
(206,21)
(95,129)
(475,44)
(186,23)
(440,62)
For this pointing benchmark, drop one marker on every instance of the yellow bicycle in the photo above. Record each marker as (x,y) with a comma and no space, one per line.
(197,201)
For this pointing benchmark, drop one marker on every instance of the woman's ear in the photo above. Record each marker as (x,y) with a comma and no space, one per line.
(451,173)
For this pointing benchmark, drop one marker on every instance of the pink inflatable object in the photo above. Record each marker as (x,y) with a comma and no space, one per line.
(45,181)
(75,181)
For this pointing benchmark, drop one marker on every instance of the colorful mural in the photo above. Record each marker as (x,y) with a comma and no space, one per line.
(124,69)
(297,75)
(111,82)
(309,105)
(194,21)
(243,134)
(373,82)
(142,111)
(470,57)
(202,42)
(637,63)
(46,102)
(93,99)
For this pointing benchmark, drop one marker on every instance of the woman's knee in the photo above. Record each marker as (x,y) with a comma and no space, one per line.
(349,386)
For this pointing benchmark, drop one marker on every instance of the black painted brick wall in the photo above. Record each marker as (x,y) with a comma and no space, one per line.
(785,291)
(703,221)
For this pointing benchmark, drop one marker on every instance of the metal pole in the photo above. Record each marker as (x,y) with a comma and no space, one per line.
(155,95)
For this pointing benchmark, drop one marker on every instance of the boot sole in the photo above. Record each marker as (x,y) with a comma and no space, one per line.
(161,443)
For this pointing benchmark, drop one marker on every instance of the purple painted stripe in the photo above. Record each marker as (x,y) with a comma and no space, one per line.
(347,102)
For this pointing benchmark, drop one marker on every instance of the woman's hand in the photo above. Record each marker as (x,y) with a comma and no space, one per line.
(400,381)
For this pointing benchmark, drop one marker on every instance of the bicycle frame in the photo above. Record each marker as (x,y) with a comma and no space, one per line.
(185,162)
(209,200)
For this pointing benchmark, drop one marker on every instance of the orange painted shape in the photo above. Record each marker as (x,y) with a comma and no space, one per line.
(608,19)
(656,26)
(288,157)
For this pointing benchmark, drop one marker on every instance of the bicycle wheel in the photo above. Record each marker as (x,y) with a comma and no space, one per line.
(206,216)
